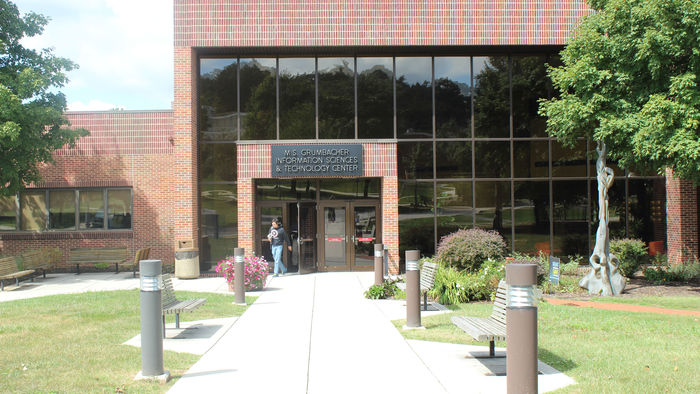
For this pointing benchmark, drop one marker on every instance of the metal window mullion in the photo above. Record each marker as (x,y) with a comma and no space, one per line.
(512,154)
(77,209)
(393,78)
(435,209)
(551,197)
(316,93)
(588,191)
(627,207)
(238,98)
(105,210)
(471,114)
(47,205)
(277,94)
(356,93)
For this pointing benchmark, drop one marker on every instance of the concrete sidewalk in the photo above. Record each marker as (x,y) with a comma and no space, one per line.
(318,334)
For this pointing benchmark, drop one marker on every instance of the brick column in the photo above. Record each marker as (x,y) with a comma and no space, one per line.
(390,220)
(246,215)
(185,147)
(681,219)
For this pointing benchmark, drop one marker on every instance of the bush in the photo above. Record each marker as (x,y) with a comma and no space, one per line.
(468,249)
(386,290)
(454,287)
(254,276)
(677,273)
(631,252)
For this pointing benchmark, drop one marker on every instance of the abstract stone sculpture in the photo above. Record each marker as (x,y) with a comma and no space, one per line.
(604,278)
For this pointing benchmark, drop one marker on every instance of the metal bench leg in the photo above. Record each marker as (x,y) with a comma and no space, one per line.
(492,349)
(43,271)
(2,285)
(117,264)
(77,269)
(177,320)
(425,301)
(163,326)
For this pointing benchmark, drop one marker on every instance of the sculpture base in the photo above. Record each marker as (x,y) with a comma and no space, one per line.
(594,283)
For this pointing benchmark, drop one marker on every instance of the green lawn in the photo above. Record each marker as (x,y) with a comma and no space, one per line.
(687,303)
(604,351)
(73,343)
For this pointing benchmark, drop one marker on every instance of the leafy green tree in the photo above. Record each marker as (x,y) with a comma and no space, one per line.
(31,112)
(629,82)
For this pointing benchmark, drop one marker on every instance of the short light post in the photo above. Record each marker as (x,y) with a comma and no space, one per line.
(151,322)
(412,290)
(521,328)
(239,275)
(378,264)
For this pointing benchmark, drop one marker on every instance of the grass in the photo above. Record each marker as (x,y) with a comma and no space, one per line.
(73,343)
(685,303)
(604,351)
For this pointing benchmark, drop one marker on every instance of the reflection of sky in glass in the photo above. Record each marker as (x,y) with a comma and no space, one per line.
(368,63)
(330,64)
(479,63)
(413,69)
(206,66)
(264,63)
(452,68)
(297,66)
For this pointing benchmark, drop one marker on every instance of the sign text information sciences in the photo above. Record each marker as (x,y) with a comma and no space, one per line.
(330,160)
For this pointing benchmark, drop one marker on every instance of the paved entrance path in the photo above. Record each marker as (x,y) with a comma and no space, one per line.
(622,307)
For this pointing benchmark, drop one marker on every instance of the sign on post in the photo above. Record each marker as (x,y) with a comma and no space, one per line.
(554,270)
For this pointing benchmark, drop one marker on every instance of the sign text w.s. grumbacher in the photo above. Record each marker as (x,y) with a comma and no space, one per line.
(316,160)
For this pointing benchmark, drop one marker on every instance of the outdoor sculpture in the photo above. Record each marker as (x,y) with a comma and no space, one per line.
(604,278)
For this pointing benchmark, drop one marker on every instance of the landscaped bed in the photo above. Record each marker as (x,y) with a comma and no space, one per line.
(73,343)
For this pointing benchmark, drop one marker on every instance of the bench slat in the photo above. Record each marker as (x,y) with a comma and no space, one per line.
(492,328)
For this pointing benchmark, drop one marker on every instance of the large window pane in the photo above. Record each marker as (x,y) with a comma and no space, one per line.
(219,221)
(531,217)
(258,99)
(492,159)
(415,160)
(297,98)
(119,209)
(452,97)
(218,99)
(217,162)
(336,98)
(491,97)
(416,218)
(531,159)
(8,213)
(647,209)
(454,207)
(285,189)
(62,209)
(530,83)
(493,207)
(375,97)
(570,218)
(92,209)
(453,159)
(616,209)
(33,215)
(569,162)
(343,189)
(414,97)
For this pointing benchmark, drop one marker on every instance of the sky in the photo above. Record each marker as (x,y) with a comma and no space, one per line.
(124,49)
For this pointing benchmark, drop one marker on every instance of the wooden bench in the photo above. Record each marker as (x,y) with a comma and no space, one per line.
(36,260)
(114,256)
(8,270)
(172,305)
(490,329)
(141,254)
(427,280)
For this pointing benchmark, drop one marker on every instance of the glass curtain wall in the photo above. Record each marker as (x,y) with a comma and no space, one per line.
(472,148)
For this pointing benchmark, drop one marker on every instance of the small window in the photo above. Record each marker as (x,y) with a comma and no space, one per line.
(62,209)
(33,215)
(92,210)
(119,209)
(8,213)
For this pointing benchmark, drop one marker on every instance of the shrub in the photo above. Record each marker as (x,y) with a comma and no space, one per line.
(254,276)
(677,273)
(631,253)
(454,287)
(468,249)
(386,290)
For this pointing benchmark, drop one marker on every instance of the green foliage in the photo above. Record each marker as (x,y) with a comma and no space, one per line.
(631,252)
(101,266)
(31,113)
(386,290)
(469,249)
(677,273)
(454,287)
(629,78)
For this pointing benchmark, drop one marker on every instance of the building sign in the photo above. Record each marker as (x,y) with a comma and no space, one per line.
(316,160)
(554,270)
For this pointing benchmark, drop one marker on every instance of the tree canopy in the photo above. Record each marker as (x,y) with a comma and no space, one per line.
(630,79)
(31,111)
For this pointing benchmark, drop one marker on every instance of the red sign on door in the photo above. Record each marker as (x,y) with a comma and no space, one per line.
(365,239)
(334,239)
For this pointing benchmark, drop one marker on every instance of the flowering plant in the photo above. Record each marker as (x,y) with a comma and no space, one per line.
(255,273)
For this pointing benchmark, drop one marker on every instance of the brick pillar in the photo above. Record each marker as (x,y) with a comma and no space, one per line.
(681,219)
(390,220)
(246,215)
(185,147)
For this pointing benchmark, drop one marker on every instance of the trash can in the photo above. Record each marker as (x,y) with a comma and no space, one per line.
(186,260)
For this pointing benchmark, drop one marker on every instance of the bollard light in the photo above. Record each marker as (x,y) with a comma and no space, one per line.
(521,328)
(239,275)
(378,264)
(412,290)
(151,286)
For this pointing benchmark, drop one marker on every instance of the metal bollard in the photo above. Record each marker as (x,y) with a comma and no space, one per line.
(521,328)
(151,322)
(412,290)
(239,275)
(378,264)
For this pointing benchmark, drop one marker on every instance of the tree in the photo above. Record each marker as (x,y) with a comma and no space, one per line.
(629,82)
(32,124)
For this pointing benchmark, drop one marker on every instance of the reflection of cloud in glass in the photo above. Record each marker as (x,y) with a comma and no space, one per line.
(453,68)
(330,64)
(365,64)
(207,66)
(413,69)
(263,64)
(297,66)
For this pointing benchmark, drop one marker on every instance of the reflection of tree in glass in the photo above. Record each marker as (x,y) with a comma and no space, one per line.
(452,103)
(375,103)
(414,109)
(336,102)
(297,105)
(218,98)
(258,102)
(491,98)
(454,159)
(415,160)
(217,162)
(530,83)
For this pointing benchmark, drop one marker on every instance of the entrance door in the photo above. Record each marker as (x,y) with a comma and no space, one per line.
(349,231)
(267,212)
(306,240)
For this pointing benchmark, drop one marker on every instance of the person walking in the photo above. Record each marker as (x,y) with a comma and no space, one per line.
(278,237)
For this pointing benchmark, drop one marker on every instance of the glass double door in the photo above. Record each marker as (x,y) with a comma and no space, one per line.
(349,231)
(299,222)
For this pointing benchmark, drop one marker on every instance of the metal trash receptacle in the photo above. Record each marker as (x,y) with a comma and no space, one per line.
(186,261)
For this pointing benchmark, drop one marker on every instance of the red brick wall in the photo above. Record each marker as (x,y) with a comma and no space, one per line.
(681,220)
(309,23)
(125,148)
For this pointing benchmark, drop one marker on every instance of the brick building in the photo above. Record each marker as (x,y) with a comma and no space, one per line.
(354,122)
